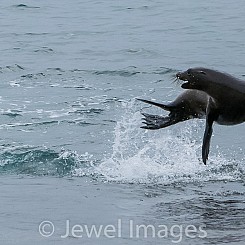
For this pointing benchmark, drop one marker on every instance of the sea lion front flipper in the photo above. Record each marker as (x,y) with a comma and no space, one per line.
(211,117)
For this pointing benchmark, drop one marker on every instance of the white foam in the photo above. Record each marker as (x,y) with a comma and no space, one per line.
(162,156)
(14,83)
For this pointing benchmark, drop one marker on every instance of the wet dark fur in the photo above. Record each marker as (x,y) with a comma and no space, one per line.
(210,94)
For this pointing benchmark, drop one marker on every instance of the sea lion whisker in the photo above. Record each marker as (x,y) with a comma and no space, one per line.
(176,81)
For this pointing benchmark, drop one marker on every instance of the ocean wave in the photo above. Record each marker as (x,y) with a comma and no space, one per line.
(30,75)
(44,50)
(27,124)
(41,161)
(24,6)
(52,71)
(11,68)
(123,73)
(11,113)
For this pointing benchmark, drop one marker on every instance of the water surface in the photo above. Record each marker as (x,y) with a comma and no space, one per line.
(71,147)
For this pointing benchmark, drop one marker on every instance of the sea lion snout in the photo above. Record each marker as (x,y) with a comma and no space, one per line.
(182,76)
(178,75)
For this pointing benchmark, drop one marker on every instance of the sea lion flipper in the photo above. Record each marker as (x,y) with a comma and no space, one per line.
(211,117)
(150,116)
(163,106)
(156,122)
(206,143)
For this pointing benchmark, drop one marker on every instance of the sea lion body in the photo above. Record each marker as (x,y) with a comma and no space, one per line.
(226,93)
(226,103)
(190,104)
(215,95)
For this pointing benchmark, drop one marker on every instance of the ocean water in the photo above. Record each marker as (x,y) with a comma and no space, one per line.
(72,152)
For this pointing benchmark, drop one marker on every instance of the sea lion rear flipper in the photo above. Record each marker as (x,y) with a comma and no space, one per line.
(163,106)
(211,117)
(156,122)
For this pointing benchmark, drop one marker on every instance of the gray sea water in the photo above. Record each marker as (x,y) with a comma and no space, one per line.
(71,148)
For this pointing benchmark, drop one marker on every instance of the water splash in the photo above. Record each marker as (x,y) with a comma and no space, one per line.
(162,156)
(137,156)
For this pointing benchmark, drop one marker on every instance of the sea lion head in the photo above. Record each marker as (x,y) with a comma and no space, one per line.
(196,78)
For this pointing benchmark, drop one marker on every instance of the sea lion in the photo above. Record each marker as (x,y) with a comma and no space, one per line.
(190,104)
(222,95)
(226,102)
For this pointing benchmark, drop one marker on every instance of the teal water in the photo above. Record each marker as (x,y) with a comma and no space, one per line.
(69,121)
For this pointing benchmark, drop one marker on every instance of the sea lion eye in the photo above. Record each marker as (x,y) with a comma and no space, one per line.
(202,72)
